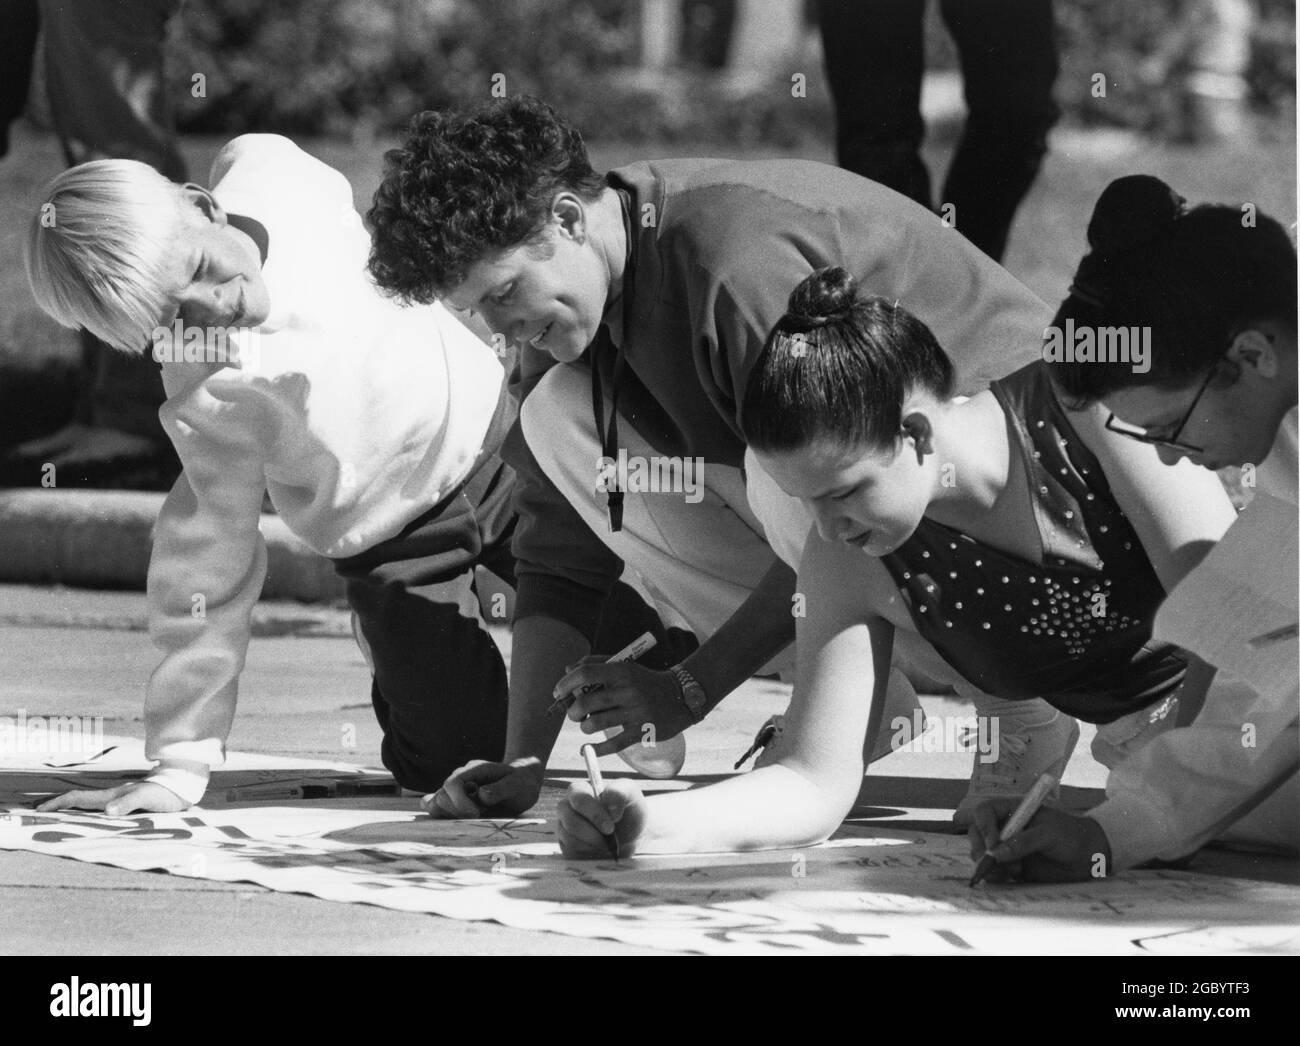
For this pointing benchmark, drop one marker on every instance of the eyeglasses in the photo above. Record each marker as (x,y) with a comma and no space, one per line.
(1173,442)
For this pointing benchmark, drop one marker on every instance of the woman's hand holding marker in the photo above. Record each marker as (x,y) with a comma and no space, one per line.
(595,827)
(1055,847)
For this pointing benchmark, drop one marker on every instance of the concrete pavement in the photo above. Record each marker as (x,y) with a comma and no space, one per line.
(102,539)
(65,651)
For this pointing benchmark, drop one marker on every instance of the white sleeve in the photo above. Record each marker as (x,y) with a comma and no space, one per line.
(254,150)
(266,175)
(1189,784)
(1185,787)
(205,575)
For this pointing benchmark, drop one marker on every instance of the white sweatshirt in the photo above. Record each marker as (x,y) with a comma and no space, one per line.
(1188,785)
(341,407)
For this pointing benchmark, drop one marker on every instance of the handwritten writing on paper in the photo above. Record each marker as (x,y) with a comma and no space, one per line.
(870,890)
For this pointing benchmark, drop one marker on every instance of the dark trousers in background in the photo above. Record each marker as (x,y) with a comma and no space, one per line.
(19,26)
(875,60)
(108,98)
(104,72)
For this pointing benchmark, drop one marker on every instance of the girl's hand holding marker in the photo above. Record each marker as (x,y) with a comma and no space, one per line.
(598,821)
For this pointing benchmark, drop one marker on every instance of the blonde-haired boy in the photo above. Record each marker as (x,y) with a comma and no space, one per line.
(100,248)
(373,427)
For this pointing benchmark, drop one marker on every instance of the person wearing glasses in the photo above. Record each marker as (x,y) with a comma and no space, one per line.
(1005,543)
(1216,284)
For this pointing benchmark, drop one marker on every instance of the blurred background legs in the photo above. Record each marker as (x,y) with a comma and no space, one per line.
(875,63)
(107,97)
(19,25)
(1007,50)
(875,59)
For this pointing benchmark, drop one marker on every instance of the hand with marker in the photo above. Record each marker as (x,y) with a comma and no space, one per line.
(137,797)
(1055,847)
(609,695)
(595,829)
(483,789)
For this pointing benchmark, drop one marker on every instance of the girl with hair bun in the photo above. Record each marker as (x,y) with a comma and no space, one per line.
(1006,546)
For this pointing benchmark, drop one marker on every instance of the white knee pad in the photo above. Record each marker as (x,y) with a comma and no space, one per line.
(555,415)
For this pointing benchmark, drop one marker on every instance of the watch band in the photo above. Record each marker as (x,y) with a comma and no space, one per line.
(692,694)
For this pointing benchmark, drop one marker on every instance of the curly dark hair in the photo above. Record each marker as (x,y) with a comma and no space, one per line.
(464,185)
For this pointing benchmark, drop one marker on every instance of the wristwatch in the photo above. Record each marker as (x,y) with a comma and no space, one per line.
(692,694)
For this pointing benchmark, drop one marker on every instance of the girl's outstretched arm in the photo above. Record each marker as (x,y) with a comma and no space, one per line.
(803,796)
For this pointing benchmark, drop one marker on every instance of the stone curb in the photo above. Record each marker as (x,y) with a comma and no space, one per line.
(102,539)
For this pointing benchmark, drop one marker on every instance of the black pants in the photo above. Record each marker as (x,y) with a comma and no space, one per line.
(874,62)
(19,26)
(107,97)
(440,685)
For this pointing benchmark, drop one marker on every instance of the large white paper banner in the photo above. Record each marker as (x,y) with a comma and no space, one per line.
(868,890)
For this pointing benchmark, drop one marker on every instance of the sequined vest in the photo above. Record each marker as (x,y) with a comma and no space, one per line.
(1075,629)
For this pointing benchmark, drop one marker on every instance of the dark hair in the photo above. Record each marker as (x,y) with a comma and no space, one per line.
(1193,276)
(838,366)
(464,185)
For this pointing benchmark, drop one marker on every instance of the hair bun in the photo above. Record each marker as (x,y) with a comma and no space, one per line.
(1134,210)
(822,296)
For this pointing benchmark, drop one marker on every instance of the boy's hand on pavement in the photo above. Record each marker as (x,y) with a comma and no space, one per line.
(137,797)
(483,789)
